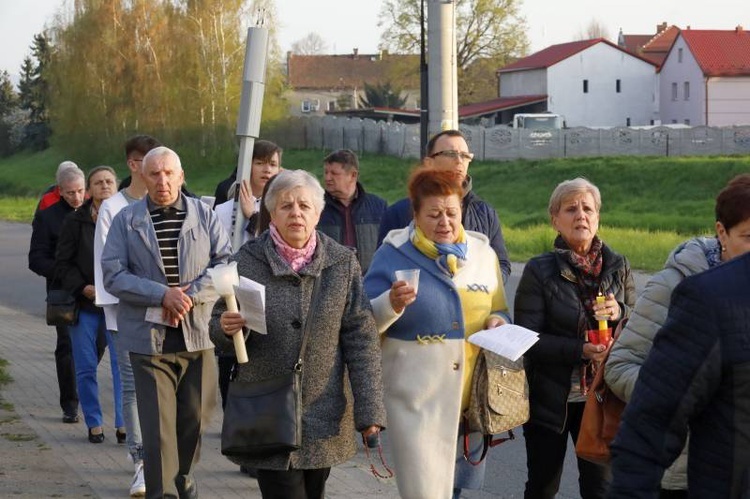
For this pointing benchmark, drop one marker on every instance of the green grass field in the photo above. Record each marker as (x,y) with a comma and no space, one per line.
(649,204)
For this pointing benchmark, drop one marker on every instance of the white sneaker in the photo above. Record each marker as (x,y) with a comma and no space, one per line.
(138,487)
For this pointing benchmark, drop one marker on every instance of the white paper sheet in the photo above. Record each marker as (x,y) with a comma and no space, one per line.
(251,297)
(509,340)
(155,315)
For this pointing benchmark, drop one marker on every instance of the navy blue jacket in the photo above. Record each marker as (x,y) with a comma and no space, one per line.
(477,215)
(367,211)
(697,376)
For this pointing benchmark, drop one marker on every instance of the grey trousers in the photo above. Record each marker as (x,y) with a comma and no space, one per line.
(176,396)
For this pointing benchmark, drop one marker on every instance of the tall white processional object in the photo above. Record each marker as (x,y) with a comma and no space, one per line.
(248,119)
(442,67)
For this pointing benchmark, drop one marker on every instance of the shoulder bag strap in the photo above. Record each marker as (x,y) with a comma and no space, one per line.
(308,322)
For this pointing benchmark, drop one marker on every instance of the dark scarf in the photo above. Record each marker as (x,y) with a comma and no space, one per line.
(588,269)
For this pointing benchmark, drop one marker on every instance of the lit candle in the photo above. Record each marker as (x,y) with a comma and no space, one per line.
(604,334)
(602,323)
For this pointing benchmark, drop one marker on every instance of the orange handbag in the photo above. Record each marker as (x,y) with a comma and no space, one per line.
(601,417)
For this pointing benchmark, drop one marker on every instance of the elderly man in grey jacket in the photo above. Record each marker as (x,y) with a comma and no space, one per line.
(155,261)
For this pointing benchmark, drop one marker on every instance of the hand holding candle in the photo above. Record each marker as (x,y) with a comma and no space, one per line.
(604,312)
(225,277)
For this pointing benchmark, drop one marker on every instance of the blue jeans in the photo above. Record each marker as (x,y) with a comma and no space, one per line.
(83,338)
(129,403)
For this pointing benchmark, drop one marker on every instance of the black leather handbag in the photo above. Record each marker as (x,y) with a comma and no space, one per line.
(62,308)
(263,418)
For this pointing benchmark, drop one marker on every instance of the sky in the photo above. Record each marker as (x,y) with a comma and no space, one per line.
(348,24)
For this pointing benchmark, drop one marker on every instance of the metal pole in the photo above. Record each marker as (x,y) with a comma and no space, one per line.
(442,70)
(248,121)
(424,96)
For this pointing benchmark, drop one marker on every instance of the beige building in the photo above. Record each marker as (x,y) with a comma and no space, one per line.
(329,83)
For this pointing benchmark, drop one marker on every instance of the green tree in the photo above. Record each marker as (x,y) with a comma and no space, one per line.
(488,32)
(8,96)
(34,94)
(382,95)
(8,105)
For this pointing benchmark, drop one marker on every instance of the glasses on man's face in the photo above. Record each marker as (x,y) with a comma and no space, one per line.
(463,156)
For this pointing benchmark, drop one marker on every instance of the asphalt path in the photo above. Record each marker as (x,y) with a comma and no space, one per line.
(506,468)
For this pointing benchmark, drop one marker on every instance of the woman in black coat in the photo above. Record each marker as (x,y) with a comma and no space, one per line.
(74,264)
(556,297)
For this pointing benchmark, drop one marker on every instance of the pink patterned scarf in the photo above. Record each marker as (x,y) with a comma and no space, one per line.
(296,258)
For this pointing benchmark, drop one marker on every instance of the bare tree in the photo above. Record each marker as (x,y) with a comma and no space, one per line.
(310,44)
(595,29)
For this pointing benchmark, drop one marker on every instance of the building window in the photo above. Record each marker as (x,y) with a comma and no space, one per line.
(679,55)
(686,90)
(627,121)
(674,91)
(305,106)
(331,105)
(618,86)
(687,121)
(651,122)
(585,86)
(674,122)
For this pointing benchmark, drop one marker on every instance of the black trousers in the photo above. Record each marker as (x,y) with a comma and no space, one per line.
(226,363)
(545,455)
(176,395)
(293,484)
(66,371)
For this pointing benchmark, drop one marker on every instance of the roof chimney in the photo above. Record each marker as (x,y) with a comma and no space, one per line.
(739,29)
(355,51)
(661,27)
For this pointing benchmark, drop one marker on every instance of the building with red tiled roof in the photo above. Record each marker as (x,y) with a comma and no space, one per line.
(320,83)
(705,79)
(589,82)
(652,47)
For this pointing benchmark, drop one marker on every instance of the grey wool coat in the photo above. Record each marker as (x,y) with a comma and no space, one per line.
(342,388)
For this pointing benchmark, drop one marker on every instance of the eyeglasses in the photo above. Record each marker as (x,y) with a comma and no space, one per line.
(464,156)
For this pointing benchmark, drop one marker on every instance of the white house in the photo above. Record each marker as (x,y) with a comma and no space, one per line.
(589,82)
(705,79)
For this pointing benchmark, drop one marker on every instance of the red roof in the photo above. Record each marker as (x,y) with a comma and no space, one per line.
(556,53)
(633,43)
(720,53)
(349,71)
(500,104)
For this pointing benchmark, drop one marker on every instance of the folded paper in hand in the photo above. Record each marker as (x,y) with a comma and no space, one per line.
(251,297)
(509,340)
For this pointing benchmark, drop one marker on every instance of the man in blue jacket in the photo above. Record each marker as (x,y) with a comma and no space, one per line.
(351,216)
(696,377)
(449,150)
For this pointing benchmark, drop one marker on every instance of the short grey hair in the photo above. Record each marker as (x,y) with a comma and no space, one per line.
(291,179)
(65,165)
(69,174)
(568,188)
(158,152)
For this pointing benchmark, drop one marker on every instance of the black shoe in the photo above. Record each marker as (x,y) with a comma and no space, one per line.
(121,436)
(70,418)
(96,438)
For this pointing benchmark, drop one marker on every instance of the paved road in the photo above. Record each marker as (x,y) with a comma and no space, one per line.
(27,343)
